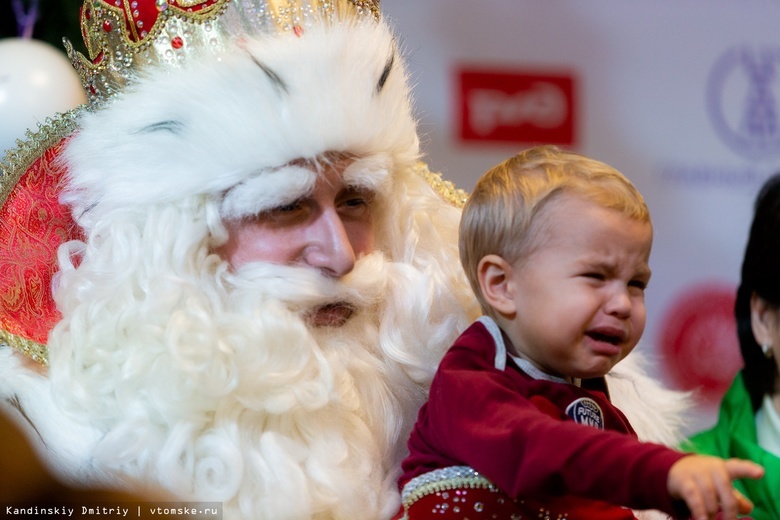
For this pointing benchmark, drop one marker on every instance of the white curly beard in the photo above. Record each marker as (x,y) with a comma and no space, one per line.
(211,384)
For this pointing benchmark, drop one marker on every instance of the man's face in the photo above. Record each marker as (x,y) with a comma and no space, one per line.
(319,218)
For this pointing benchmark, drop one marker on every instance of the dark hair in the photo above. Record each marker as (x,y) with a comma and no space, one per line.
(760,276)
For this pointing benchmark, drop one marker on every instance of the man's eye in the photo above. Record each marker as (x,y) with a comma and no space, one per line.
(355,202)
(638,284)
(287,208)
(284,213)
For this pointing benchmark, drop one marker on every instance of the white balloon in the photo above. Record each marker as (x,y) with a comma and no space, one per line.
(36,81)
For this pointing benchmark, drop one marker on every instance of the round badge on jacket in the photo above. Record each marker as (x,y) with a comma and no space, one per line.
(586,411)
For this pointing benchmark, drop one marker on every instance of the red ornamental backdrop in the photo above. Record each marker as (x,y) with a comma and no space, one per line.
(682,97)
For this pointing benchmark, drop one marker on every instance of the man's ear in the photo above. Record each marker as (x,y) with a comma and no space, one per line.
(494,275)
(763,318)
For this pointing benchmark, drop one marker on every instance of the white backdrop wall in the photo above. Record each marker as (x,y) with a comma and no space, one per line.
(682,97)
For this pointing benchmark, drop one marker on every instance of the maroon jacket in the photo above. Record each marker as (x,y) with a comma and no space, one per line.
(487,413)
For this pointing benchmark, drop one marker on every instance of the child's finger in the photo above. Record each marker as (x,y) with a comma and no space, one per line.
(739,468)
(726,494)
(744,505)
(701,499)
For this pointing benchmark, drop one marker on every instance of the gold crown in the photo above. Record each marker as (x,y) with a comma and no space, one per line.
(124,36)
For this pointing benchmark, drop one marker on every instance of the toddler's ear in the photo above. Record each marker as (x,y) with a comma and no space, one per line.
(494,275)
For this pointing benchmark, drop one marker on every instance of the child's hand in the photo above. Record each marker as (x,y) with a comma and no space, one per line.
(704,483)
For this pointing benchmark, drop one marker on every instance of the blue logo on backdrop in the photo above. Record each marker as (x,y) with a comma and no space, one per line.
(586,411)
(742,101)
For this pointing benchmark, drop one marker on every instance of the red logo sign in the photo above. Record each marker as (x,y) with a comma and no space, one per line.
(699,341)
(516,107)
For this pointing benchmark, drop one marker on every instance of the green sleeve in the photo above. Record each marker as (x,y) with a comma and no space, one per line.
(734,435)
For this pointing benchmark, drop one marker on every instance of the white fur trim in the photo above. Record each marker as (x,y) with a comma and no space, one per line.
(657,413)
(158,141)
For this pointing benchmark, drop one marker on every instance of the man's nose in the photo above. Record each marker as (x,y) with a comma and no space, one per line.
(329,246)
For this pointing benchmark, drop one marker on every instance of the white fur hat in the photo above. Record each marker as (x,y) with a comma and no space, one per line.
(255,101)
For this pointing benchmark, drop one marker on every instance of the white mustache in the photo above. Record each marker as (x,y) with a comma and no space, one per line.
(302,289)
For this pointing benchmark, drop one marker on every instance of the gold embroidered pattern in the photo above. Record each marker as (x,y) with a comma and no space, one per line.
(455,196)
(35,351)
(18,160)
